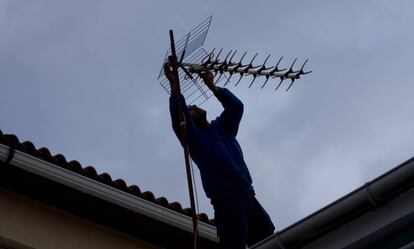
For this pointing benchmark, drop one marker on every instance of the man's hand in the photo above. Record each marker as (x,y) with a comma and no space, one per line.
(172,77)
(208,79)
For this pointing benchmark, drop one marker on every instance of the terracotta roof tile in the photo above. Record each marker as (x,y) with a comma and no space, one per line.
(203,217)
(90,172)
(45,154)
(29,147)
(149,196)
(176,206)
(105,178)
(120,184)
(187,211)
(12,139)
(134,189)
(75,166)
(61,160)
(162,201)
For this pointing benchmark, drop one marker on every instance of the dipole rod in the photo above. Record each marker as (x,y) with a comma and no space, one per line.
(174,64)
(199,67)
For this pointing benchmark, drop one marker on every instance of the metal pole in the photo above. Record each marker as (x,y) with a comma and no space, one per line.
(173,62)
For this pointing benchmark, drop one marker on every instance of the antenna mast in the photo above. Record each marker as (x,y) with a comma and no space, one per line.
(174,64)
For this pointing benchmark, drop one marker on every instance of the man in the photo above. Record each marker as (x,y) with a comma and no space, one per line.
(239,217)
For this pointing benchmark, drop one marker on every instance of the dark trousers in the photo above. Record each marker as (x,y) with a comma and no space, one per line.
(241,221)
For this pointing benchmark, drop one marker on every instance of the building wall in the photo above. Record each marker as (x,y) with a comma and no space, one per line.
(26,224)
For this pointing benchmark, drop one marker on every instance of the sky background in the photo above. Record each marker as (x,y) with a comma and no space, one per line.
(80,78)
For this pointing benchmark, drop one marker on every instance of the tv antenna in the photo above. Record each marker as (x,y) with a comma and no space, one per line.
(195,59)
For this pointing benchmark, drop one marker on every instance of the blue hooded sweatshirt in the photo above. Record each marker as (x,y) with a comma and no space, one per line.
(215,150)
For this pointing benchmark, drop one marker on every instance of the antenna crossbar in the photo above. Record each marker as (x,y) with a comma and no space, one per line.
(193,68)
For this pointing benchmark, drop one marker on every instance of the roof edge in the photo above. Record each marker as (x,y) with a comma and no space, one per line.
(373,194)
(103,191)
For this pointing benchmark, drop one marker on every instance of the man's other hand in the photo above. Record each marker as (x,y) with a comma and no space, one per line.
(172,77)
(208,79)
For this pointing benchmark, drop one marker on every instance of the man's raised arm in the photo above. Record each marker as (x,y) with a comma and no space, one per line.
(174,110)
(233,108)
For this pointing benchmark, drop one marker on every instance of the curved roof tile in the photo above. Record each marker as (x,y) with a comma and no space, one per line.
(90,172)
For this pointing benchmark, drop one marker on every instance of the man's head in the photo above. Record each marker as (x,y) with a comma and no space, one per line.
(199,116)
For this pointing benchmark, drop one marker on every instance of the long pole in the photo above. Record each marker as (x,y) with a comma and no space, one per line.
(174,64)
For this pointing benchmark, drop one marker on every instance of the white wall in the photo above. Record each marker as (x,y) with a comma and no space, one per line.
(25,224)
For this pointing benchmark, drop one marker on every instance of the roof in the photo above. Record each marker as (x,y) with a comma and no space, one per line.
(49,187)
(368,199)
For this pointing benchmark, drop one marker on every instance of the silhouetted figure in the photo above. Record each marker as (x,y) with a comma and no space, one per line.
(239,217)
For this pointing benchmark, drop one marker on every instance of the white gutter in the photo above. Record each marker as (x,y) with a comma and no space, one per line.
(105,192)
(365,200)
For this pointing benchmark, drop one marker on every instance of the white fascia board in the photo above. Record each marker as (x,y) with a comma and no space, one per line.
(105,192)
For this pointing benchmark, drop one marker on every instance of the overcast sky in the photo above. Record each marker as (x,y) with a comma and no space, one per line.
(79,77)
